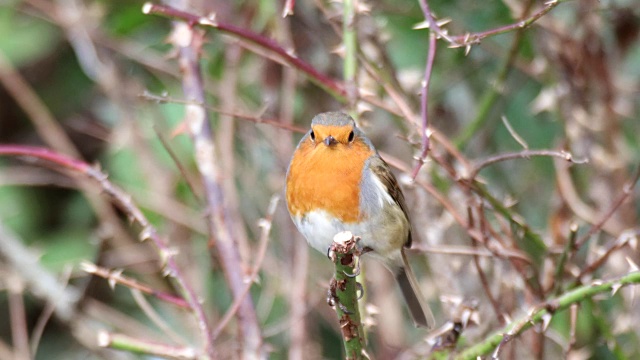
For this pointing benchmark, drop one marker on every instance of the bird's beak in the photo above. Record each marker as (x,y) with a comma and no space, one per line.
(330,140)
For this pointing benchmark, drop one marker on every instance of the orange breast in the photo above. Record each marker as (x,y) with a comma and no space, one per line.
(327,178)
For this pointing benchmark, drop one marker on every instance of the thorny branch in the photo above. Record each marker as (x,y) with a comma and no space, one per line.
(451,168)
(148,232)
(543,313)
(524,154)
(187,42)
(328,83)
(626,192)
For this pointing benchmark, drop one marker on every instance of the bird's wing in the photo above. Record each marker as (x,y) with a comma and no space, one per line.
(382,170)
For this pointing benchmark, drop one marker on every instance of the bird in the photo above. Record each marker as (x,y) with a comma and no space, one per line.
(336,181)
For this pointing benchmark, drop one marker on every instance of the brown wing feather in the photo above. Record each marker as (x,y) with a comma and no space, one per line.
(383,171)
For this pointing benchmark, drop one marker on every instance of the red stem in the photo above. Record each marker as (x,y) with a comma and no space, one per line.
(328,83)
(124,201)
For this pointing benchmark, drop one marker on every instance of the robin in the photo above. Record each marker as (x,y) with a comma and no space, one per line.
(336,182)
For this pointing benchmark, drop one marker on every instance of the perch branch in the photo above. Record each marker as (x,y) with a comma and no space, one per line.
(343,293)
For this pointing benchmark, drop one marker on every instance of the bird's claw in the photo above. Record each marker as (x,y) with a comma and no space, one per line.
(344,309)
(332,296)
(360,289)
(331,293)
(356,272)
(330,253)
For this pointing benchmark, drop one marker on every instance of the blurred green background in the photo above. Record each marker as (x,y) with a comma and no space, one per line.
(88,68)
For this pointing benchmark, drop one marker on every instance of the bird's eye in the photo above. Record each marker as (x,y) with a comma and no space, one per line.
(351,136)
(313,136)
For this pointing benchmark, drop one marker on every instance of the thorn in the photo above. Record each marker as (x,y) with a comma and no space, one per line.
(632,265)
(467,48)
(88,267)
(167,272)
(291,52)
(344,308)
(421,25)
(331,254)
(360,289)
(507,318)
(614,288)
(264,224)
(546,320)
(363,8)
(331,301)
(210,20)
(443,21)
(146,233)
(355,273)
(165,255)
(146,8)
(104,339)
(339,50)
(113,278)
(287,12)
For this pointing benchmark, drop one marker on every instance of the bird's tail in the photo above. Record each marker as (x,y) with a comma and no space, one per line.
(418,307)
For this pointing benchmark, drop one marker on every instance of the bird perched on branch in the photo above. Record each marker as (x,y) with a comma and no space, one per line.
(336,182)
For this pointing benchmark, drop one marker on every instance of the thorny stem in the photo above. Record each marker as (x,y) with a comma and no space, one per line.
(626,192)
(474,38)
(169,265)
(563,258)
(256,119)
(324,81)
(544,313)
(476,260)
(424,103)
(612,247)
(188,41)
(126,343)
(432,23)
(116,277)
(331,85)
(524,154)
(265,224)
(343,293)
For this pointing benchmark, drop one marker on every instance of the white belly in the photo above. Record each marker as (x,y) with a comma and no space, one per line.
(384,237)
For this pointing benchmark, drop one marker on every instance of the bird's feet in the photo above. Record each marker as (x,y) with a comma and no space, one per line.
(332,297)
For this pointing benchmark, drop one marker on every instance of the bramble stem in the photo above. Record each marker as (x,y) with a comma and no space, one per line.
(343,293)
